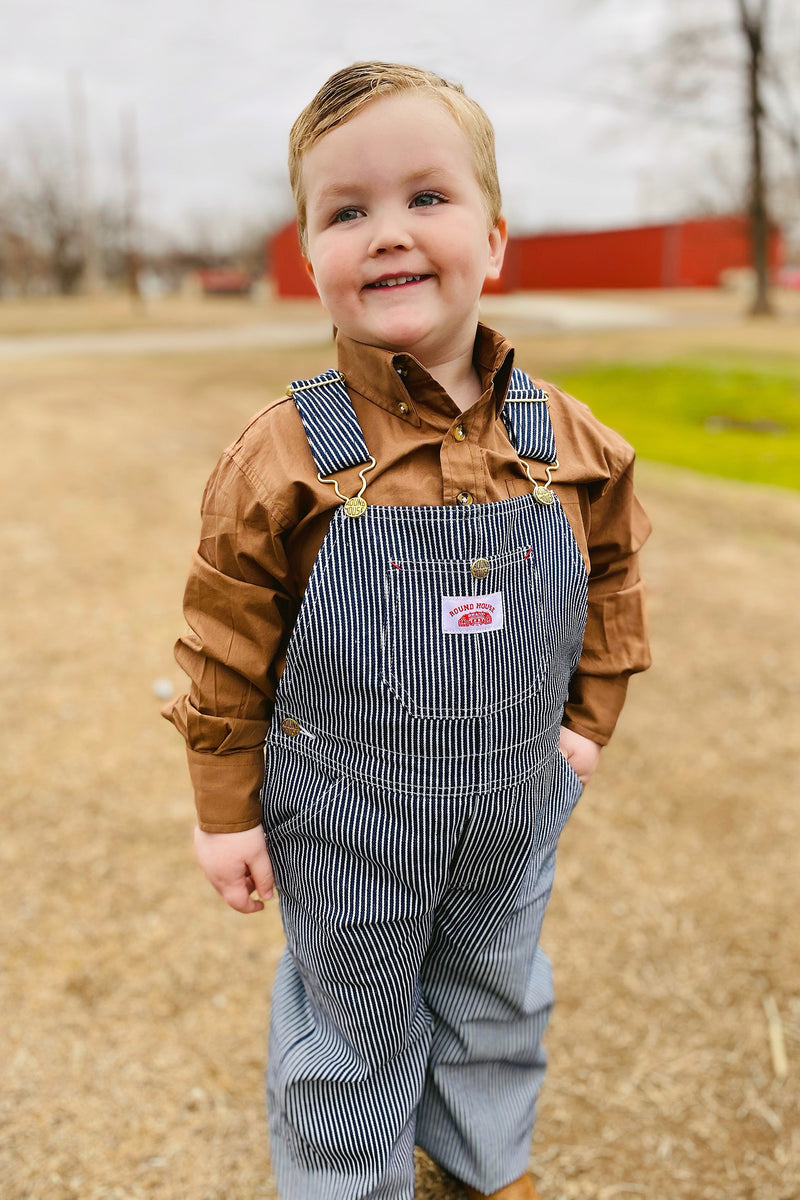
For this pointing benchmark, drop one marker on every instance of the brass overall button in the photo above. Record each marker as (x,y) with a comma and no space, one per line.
(356,506)
(459,433)
(479,569)
(290,727)
(464,497)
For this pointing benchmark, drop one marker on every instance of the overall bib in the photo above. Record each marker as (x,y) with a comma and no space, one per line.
(413,798)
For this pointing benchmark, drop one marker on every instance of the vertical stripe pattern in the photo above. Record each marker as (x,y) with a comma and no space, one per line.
(527,420)
(330,422)
(412,824)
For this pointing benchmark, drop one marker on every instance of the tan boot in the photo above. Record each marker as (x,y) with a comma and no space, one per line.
(521,1189)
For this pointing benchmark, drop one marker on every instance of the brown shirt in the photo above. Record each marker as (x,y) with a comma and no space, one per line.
(265,514)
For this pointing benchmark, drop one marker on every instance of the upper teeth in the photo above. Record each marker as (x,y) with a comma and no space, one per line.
(394,282)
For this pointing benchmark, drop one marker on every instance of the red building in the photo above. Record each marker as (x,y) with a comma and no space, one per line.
(289,275)
(684,254)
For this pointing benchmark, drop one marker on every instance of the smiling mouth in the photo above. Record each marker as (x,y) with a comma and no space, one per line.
(397,281)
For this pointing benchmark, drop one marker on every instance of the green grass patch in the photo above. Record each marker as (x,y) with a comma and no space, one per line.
(742,422)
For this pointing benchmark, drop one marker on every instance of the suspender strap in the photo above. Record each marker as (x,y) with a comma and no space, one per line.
(330,422)
(527,419)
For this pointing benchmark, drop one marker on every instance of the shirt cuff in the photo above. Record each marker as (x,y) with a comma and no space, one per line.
(594,705)
(227,789)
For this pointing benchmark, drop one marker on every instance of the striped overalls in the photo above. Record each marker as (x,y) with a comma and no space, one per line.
(413,799)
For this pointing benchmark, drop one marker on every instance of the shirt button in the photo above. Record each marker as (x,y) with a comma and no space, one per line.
(403,407)
(402,371)
(465,497)
(459,433)
(290,727)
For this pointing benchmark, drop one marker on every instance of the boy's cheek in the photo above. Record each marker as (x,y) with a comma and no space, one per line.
(325,270)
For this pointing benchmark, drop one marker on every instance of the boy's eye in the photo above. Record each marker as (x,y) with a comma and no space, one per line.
(347,214)
(427,199)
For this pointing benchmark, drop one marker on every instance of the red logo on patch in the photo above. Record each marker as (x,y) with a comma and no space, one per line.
(475,618)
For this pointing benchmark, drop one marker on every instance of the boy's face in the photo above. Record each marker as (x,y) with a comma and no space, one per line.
(398,238)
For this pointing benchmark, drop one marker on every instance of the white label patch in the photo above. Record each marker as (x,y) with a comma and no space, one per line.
(472,614)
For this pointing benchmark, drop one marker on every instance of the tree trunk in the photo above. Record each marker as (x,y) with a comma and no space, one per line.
(753,29)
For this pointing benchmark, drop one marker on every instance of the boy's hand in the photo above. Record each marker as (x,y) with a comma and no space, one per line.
(582,754)
(237,864)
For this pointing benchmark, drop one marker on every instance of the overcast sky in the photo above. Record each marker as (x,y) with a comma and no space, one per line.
(216,84)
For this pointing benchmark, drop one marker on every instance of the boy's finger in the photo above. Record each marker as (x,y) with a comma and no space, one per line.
(238,897)
(264,883)
(262,886)
(261,874)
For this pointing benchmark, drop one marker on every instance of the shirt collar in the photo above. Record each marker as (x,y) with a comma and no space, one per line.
(396,382)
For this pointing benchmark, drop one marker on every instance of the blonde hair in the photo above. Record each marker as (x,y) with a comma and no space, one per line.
(350,89)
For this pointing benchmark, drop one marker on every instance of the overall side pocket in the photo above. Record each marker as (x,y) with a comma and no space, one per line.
(295,790)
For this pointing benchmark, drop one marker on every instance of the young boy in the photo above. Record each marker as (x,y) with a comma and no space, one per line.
(391,593)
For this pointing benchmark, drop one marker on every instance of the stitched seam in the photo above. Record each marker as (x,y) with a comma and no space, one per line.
(459,789)
(302,624)
(442,566)
(370,749)
(452,512)
(392,677)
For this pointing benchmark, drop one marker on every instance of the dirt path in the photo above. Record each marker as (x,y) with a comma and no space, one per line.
(135,1003)
(309,326)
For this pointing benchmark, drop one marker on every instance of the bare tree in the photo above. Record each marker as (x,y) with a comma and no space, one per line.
(41,241)
(726,73)
(129,143)
(43,244)
(86,209)
(741,52)
(753,25)
(49,217)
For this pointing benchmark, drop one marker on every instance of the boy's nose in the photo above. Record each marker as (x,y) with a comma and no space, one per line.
(389,233)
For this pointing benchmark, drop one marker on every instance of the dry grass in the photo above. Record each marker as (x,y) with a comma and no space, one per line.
(116,311)
(135,1003)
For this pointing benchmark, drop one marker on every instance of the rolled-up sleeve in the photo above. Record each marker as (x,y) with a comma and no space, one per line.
(239,607)
(615,643)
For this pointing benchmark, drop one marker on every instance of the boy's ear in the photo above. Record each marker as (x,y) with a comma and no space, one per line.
(498,240)
(310,272)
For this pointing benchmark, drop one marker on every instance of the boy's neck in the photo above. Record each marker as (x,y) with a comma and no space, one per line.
(460,380)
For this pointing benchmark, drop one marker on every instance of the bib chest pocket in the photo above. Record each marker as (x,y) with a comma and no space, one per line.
(475,670)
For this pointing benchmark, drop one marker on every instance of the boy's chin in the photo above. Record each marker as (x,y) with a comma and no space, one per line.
(402,335)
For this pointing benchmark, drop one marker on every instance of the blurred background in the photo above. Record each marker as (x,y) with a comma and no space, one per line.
(151,300)
(144,143)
